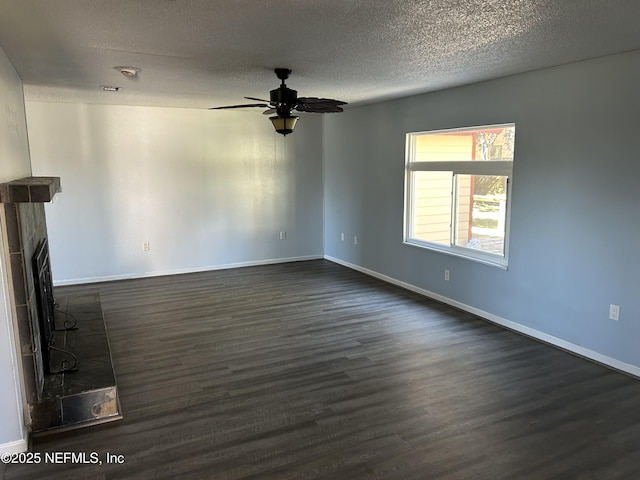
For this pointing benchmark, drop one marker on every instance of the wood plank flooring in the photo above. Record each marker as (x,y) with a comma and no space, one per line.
(310,370)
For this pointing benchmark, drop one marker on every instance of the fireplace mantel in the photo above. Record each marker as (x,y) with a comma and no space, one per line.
(29,190)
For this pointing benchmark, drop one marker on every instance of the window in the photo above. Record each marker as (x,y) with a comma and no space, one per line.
(458,189)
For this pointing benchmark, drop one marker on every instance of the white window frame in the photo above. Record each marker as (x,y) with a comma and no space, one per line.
(493,167)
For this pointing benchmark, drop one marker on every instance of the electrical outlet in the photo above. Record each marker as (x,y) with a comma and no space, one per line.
(446,275)
(355,239)
(342,236)
(283,235)
(614,312)
(146,247)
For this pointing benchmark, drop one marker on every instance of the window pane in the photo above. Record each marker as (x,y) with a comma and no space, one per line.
(431,206)
(465,144)
(481,212)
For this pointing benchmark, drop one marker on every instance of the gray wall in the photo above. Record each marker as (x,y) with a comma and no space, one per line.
(575,219)
(208,189)
(14,164)
(205,189)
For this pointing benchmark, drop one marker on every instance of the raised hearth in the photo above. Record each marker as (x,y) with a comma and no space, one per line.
(88,395)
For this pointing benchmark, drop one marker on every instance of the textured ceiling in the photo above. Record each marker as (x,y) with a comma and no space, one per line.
(202,53)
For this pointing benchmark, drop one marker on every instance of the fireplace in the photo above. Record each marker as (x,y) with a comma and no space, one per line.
(56,393)
(22,213)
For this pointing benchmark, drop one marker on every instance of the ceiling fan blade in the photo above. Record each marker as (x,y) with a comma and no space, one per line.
(248,105)
(316,100)
(269,111)
(319,105)
(319,108)
(257,99)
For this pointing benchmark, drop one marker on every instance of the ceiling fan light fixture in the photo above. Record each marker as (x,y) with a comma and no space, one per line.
(284,124)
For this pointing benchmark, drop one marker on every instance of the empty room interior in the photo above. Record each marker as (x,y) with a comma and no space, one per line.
(319,240)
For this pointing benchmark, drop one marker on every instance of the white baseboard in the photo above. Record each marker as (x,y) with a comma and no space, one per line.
(16,446)
(627,368)
(160,273)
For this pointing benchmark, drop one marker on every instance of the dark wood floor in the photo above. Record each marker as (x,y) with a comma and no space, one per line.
(313,371)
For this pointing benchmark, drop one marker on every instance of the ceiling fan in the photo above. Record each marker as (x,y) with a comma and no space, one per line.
(284,100)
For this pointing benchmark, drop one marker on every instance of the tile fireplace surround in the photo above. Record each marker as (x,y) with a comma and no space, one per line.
(65,396)
(24,219)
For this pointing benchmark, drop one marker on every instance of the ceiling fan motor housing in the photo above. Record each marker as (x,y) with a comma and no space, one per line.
(284,96)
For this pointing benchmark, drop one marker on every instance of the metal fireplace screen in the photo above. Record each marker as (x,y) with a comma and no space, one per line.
(46,305)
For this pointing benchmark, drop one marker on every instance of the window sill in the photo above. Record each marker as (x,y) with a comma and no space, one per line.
(461,252)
